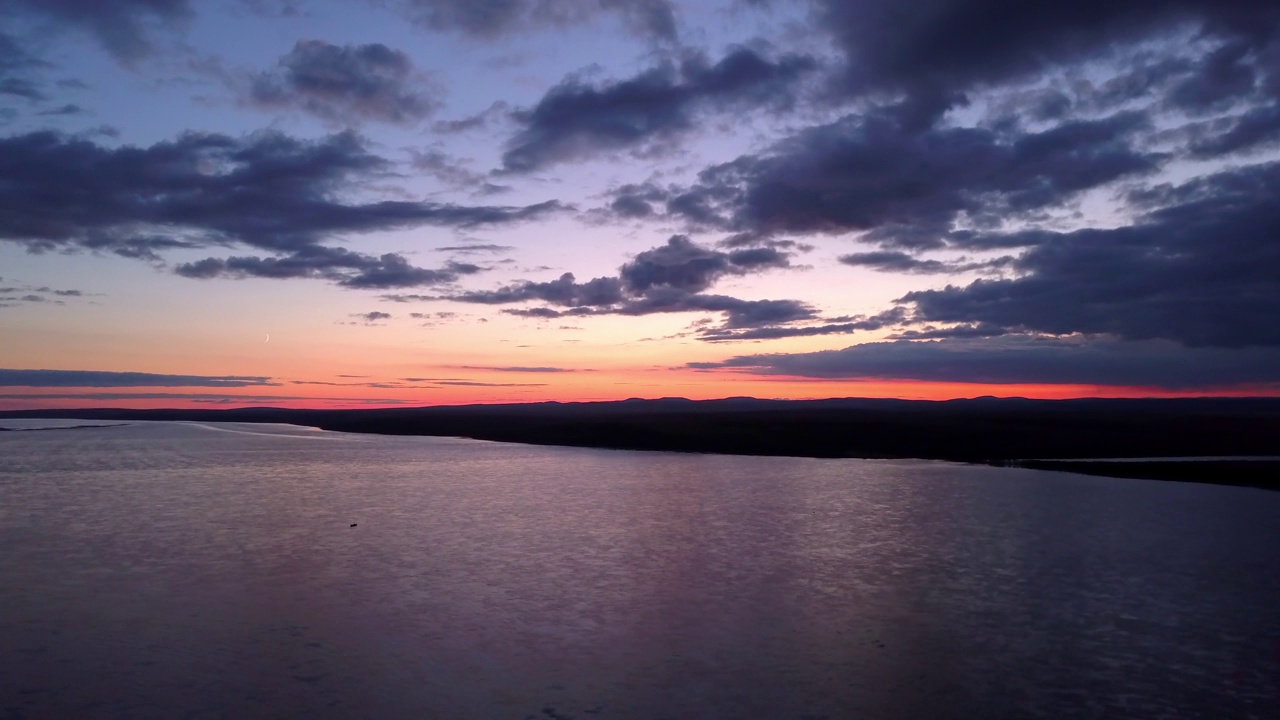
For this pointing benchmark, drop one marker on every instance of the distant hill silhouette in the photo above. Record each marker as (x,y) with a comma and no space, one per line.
(986,429)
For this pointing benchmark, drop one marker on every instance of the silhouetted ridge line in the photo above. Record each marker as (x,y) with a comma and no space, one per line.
(989,430)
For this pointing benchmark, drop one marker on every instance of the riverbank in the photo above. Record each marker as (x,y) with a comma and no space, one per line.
(983,430)
(1263,474)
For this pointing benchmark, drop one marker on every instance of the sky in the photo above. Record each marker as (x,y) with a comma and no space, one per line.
(362,203)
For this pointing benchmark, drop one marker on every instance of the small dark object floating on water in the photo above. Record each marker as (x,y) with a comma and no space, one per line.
(353,524)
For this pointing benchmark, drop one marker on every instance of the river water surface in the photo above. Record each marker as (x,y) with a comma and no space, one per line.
(178,570)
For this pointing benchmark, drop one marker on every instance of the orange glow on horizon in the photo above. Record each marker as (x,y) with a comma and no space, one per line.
(507,387)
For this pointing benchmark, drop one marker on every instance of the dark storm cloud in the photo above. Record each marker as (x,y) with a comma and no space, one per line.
(63,111)
(267,190)
(545,313)
(896,261)
(631,206)
(1224,76)
(929,332)
(491,19)
(686,266)
(669,278)
(1199,268)
(1023,360)
(738,313)
(636,200)
(345,84)
(1147,76)
(836,326)
(344,267)
(872,173)
(16,65)
(744,240)
(476,248)
(124,27)
(680,265)
(575,120)
(1257,128)
(936,50)
(94,378)
(564,291)
(906,181)
(13,56)
(20,87)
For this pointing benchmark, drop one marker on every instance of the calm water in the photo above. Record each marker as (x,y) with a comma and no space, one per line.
(195,571)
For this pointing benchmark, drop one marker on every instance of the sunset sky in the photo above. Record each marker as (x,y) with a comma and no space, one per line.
(352,203)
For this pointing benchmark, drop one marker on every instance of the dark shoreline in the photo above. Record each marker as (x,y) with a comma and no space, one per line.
(1264,474)
(68,427)
(993,431)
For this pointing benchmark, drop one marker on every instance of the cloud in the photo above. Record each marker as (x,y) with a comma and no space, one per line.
(839,326)
(905,188)
(896,261)
(565,291)
(344,267)
(1197,268)
(492,19)
(20,87)
(546,313)
(665,279)
(196,397)
(1224,76)
(669,278)
(636,201)
(575,120)
(930,332)
(10,297)
(475,248)
(96,378)
(683,265)
(266,190)
(16,66)
(1158,364)
(943,49)
(66,110)
(345,84)
(497,111)
(738,313)
(123,27)
(1257,128)
(373,316)
(444,168)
